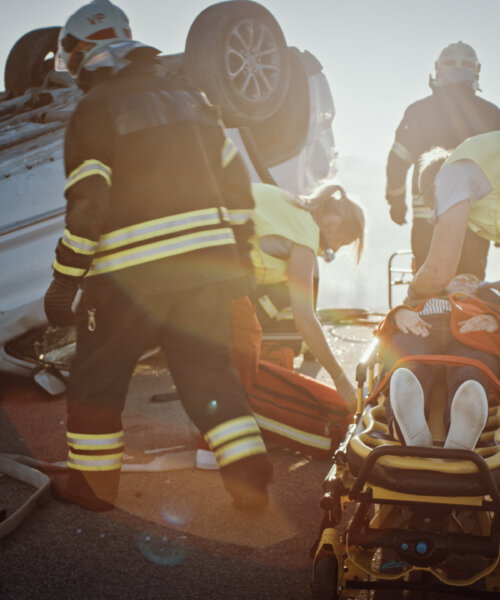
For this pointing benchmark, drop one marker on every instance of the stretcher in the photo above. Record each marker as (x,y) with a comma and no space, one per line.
(408,518)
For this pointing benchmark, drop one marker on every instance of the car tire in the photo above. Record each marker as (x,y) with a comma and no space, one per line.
(237,54)
(30,59)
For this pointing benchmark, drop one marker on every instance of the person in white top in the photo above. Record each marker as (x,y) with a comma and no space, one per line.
(451,188)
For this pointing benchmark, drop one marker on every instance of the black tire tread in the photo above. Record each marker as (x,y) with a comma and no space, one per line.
(201,58)
(25,66)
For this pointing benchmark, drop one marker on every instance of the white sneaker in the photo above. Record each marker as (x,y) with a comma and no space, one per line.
(469,413)
(205,459)
(407,403)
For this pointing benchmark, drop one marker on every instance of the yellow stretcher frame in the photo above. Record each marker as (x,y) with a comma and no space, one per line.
(353,562)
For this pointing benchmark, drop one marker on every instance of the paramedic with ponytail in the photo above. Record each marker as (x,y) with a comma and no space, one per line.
(463,188)
(289,235)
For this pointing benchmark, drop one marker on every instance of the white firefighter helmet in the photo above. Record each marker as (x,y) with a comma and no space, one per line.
(89,30)
(458,62)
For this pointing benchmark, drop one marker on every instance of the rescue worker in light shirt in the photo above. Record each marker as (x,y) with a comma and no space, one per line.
(463,189)
(157,229)
(289,234)
(452,113)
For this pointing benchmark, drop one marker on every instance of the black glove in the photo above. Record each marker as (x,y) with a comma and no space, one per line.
(398,213)
(58,301)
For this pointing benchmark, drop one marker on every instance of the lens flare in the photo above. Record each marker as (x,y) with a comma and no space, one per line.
(174,518)
(162,551)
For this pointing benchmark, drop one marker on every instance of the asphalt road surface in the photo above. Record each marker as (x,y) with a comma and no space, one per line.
(175,533)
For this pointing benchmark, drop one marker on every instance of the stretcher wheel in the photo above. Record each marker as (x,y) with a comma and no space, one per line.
(324,585)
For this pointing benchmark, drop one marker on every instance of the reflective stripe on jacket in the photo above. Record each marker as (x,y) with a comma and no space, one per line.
(446,118)
(152,179)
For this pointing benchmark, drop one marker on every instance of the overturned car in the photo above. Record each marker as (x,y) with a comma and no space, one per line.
(276,105)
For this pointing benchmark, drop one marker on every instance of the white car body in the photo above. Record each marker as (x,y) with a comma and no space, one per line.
(32,184)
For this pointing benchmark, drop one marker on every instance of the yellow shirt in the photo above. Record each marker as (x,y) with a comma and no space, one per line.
(276,215)
(484,150)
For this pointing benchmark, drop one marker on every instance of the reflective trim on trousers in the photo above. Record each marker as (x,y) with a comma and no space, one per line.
(232,429)
(106,441)
(239,449)
(103,462)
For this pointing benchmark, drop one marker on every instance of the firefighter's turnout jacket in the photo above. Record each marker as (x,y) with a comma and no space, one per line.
(447,117)
(156,198)
(153,186)
(484,150)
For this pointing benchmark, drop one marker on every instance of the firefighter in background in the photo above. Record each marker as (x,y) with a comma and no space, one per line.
(452,113)
(157,228)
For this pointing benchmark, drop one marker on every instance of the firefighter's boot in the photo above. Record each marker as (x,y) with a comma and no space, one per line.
(95,491)
(247,480)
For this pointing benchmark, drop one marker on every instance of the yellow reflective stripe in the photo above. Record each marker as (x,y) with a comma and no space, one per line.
(110,446)
(87,169)
(105,462)
(95,436)
(237,216)
(107,441)
(231,429)
(285,314)
(399,150)
(72,271)
(78,244)
(161,249)
(239,449)
(396,191)
(311,439)
(420,210)
(158,227)
(422,213)
(268,307)
(228,152)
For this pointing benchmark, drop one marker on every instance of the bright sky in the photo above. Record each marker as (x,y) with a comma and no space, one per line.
(377,54)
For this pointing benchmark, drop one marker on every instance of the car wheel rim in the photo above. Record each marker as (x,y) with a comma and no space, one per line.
(253,60)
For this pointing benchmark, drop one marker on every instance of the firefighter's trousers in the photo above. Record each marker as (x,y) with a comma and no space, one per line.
(193,328)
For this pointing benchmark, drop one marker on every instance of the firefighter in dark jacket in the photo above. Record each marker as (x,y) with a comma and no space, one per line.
(157,227)
(446,118)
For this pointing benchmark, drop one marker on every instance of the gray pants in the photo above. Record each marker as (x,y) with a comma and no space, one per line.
(439,341)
